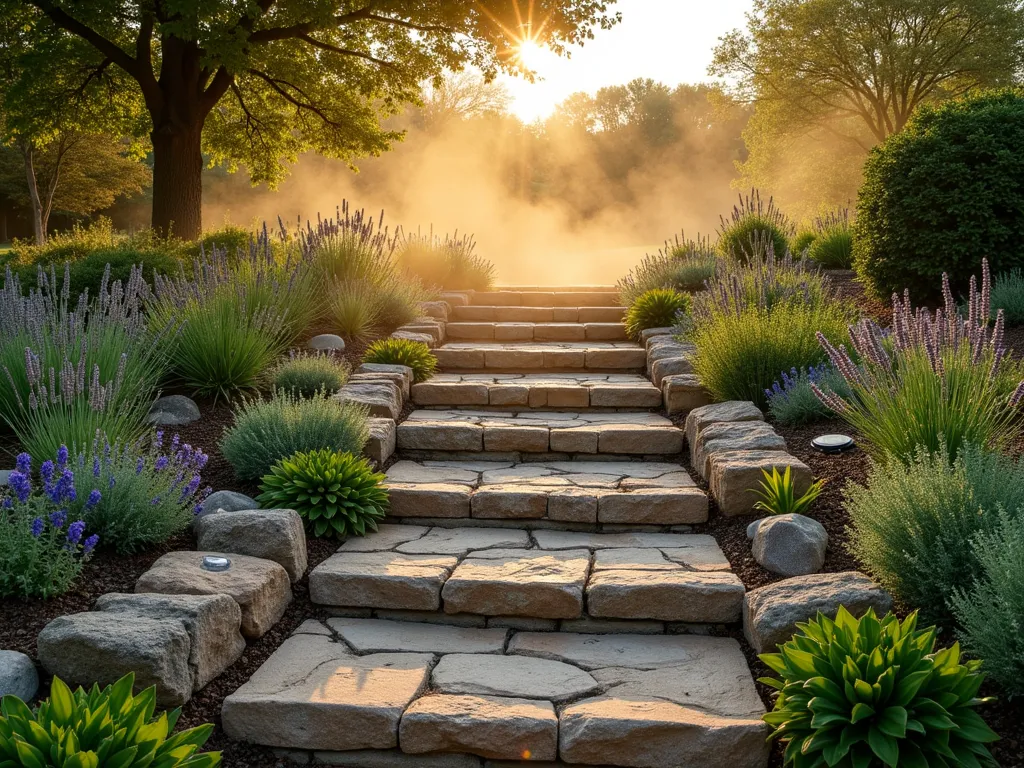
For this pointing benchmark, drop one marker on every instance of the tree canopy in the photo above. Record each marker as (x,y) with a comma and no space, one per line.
(259,81)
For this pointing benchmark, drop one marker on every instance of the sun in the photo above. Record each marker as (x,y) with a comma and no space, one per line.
(531,54)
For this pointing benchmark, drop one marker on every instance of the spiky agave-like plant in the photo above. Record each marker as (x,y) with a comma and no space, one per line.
(938,379)
(338,494)
(657,308)
(414,354)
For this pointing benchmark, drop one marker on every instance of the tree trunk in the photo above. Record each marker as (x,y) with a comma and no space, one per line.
(38,220)
(178,181)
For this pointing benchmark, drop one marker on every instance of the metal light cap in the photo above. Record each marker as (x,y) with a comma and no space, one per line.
(215,563)
(833,443)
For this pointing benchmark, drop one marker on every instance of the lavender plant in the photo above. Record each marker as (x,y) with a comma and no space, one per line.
(67,368)
(41,552)
(752,226)
(792,402)
(832,246)
(136,494)
(760,318)
(946,381)
(448,262)
(682,264)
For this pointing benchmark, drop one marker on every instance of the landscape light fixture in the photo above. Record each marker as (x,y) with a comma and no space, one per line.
(833,443)
(215,563)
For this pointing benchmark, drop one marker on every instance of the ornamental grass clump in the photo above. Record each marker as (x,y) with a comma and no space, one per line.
(70,368)
(792,402)
(752,227)
(449,262)
(911,526)
(237,317)
(305,374)
(759,319)
(832,246)
(990,612)
(140,493)
(657,308)
(266,431)
(941,380)
(337,494)
(414,354)
(104,728)
(875,692)
(682,264)
(42,547)
(1008,296)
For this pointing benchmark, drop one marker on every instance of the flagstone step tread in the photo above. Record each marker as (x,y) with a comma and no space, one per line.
(553,331)
(480,313)
(621,700)
(538,390)
(532,356)
(537,432)
(509,572)
(594,492)
(546,298)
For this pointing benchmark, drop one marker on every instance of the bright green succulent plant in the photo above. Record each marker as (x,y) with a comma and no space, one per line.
(860,693)
(104,728)
(338,494)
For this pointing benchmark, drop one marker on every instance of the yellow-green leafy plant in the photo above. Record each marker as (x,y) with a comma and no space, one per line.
(861,693)
(657,308)
(306,374)
(778,493)
(104,728)
(414,354)
(338,494)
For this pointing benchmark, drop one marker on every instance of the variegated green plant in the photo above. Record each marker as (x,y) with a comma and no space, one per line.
(108,728)
(778,493)
(869,692)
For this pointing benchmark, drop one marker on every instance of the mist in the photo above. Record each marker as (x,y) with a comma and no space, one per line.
(576,200)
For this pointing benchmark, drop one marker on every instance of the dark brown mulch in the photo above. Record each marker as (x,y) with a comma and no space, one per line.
(847,287)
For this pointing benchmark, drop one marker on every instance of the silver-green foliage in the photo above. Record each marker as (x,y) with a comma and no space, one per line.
(682,264)
(266,431)
(911,525)
(1008,295)
(991,613)
(306,374)
(792,402)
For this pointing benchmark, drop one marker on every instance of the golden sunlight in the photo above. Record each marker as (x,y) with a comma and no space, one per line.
(532,54)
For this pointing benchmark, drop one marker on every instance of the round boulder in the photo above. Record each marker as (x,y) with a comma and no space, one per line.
(18,676)
(327,342)
(790,545)
(227,501)
(174,411)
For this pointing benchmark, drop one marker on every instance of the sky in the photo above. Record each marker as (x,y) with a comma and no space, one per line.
(667,40)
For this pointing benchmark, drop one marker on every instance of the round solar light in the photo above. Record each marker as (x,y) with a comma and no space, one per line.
(215,563)
(833,443)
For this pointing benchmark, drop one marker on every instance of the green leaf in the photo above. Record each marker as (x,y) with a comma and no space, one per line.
(893,722)
(885,747)
(860,712)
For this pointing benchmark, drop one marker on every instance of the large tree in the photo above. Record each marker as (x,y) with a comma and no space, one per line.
(257,82)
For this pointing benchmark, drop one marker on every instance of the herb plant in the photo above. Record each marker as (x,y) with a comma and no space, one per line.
(753,228)
(306,374)
(792,402)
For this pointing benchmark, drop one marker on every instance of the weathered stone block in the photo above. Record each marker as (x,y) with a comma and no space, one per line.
(272,534)
(735,477)
(381,580)
(732,410)
(382,398)
(383,440)
(439,436)
(682,392)
(666,595)
(732,437)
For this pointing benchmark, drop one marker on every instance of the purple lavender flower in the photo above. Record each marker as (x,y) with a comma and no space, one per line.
(139,466)
(20,484)
(62,457)
(158,439)
(161,463)
(58,518)
(96,466)
(75,531)
(90,544)
(46,472)
(64,490)
(111,482)
(189,489)
(23,463)
(94,499)
(37,527)
(175,441)
(156,501)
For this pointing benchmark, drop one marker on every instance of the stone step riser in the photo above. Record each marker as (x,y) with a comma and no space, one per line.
(515,298)
(475,313)
(480,358)
(508,575)
(640,397)
(581,441)
(536,332)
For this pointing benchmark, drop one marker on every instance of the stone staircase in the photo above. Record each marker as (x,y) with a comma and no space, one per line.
(537,593)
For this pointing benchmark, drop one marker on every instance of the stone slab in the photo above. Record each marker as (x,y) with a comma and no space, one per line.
(736,476)
(733,410)
(376,636)
(381,580)
(271,534)
(666,594)
(515,676)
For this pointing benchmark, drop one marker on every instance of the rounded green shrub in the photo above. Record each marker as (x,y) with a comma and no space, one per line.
(266,431)
(338,494)
(414,354)
(102,728)
(657,308)
(873,692)
(943,193)
(832,247)
(306,374)
(86,273)
(754,228)
(802,241)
